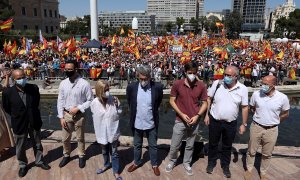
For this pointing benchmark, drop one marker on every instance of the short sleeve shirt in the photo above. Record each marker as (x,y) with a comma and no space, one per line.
(188,98)
(268,108)
(226,103)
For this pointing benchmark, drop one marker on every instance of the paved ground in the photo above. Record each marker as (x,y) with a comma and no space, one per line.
(285,163)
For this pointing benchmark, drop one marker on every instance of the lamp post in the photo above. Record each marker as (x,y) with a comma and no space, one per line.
(135,27)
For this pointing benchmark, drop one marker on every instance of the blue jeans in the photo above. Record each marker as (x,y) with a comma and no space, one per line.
(151,135)
(111,148)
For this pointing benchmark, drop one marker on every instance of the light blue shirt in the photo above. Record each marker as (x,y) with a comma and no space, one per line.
(144,116)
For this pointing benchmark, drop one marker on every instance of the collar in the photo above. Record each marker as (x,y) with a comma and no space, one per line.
(236,86)
(186,83)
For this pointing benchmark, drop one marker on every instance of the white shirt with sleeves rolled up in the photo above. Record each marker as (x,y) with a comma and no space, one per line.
(78,94)
(268,109)
(227,102)
(106,120)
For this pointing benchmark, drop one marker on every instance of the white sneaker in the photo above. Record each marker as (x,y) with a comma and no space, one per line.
(169,167)
(188,170)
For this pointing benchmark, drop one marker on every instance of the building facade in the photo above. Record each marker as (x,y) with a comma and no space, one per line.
(36,15)
(281,11)
(146,22)
(168,10)
(253,14)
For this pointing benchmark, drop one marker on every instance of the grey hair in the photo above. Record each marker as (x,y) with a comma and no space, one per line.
(144,70)
(236,69)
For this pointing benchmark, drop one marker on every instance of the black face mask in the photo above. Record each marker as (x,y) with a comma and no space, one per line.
(70,73)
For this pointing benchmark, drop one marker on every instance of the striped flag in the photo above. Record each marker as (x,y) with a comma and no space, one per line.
(6,25)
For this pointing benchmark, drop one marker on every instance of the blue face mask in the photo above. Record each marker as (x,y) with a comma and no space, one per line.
(228,80)
(265,88)
(21,82)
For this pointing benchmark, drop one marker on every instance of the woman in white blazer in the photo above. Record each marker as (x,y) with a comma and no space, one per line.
(105,109)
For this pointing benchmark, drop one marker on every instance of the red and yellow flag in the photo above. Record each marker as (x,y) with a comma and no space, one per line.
(6,25)
(122,31)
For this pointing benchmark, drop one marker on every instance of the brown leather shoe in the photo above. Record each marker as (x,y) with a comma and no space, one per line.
(132,168)
(156,171)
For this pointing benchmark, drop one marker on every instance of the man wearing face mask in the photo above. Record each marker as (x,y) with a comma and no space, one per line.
(21,102)
(225,99)
(188,98)
(144,98)
(75,96)
(270,108)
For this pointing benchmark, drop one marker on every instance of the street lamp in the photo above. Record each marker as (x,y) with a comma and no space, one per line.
(135,27)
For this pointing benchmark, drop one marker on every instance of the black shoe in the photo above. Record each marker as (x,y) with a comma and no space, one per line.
(64,162)
(226,172)
(43,166)
(210,168)
(23,171)
(81,162)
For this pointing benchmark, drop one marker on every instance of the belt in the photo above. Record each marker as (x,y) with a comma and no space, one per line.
(265,127)
(220,120)
(79,112)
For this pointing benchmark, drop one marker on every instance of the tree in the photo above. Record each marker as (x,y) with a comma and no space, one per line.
(169,25)
(179,21)
(203,22)
(290,25)
(6,10)
(79,26)
(195,23)
(233,24)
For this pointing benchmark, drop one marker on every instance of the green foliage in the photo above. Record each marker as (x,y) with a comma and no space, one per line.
(233,24)
(169,26)
(179,21)
(79,26)
(195,23)
(203,22)
(6,10)
(290,25)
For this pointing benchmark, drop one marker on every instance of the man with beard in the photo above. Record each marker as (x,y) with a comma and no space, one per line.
(75,96)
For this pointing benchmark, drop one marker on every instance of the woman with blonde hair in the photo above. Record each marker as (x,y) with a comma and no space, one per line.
(106,110)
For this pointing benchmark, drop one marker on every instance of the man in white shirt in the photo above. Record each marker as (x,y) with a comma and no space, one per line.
(270,107)
(75,96)
(225,99)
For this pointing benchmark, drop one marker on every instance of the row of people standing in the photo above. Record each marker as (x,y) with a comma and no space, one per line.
(189,98)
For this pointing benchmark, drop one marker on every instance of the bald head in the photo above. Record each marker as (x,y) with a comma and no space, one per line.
(232,71)
(269,80)
(18,74)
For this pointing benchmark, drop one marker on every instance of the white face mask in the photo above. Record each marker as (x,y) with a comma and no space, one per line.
(191,77)
(106,94)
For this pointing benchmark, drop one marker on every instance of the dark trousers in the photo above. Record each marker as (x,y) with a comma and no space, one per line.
(35,137)
(226,132)
(151,135)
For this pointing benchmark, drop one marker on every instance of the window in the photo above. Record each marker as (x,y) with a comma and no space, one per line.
(47,30)
(36,27)
(34,12)
(45,12)
(25,27)
(50,13)
(24,11)
(55,14)
(51,29)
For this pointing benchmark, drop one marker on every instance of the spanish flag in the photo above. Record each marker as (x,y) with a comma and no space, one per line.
(6,25)
(218,24)
(122,31)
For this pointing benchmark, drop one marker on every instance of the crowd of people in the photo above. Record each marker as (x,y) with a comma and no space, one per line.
(185,64)
(120,57)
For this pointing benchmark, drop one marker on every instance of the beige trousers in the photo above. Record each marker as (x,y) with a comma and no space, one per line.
(267,139)
(74,123)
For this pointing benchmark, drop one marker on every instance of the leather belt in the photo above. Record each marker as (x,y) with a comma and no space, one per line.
(265,127)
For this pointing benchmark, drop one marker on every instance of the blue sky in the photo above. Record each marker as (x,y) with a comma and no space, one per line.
(70,8)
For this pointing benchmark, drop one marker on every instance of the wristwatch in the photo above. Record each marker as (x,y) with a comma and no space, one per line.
(245,124)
